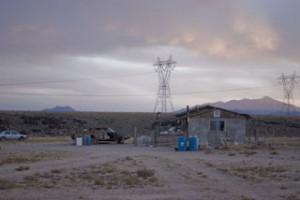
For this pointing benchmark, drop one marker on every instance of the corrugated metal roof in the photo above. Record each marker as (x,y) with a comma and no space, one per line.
(199,108)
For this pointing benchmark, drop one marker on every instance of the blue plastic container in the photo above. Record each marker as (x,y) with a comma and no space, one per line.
(181,141)
(87,140)
(194,143)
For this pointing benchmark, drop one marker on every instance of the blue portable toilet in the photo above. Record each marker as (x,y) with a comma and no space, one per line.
(181,142)
(194,142)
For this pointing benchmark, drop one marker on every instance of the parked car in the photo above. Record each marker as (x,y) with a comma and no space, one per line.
(12,135)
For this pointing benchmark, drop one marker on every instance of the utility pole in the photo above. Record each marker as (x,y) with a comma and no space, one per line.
(288,84)
(157,128)
(164,69)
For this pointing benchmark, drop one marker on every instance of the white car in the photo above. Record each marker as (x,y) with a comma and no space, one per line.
(12,135)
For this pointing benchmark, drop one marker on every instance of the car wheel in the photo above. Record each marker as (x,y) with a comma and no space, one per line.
(3,138)
(121,141)
(21,138)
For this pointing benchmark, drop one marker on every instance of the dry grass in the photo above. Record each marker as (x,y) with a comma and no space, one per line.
(196,177)
(57,171)
(246,198)
(231,154)
(122,173)
(256,173)
(283,141)
(49,139)
(22,168)
(247,152)
(209,164)
(42,180)
(292,197)
(16,158)
(145,173)
(6,184)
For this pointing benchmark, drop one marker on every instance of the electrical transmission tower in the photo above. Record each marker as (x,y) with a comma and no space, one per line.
(288,84)
(164,69)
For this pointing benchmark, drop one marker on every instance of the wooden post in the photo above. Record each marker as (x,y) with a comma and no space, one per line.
(187,125)
(135,136)
(226,135)
(157,124)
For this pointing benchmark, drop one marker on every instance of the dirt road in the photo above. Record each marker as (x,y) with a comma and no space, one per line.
(64,171)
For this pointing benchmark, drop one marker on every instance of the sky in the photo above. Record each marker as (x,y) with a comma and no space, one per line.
(98,55)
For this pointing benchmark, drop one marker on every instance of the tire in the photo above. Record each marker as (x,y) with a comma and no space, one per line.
(22,138)
(3,138)
(121,141)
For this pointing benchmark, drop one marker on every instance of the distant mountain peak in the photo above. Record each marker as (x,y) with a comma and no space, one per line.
(60,109)
(265,105)
(267,98)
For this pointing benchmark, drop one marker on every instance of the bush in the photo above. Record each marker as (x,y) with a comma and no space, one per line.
(145,173)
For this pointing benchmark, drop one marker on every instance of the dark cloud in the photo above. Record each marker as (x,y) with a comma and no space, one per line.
(54,40)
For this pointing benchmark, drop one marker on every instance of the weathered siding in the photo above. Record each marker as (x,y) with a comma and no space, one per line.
(199,127)
(235,130)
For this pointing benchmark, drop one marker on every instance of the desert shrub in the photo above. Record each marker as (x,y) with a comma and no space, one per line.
(248,153)
(274,153)
(145,173)
(56,171)
(246,198)
(6,184)
(292,197)
(24,132)
(128,158)
(22,168)
(209,164)
(100,181)
(18,158)
(36,130)
(30,120)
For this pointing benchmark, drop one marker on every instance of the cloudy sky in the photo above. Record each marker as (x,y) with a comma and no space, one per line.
(98,55)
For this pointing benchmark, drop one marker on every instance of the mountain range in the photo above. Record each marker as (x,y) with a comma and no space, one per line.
(60,109)
(265,105)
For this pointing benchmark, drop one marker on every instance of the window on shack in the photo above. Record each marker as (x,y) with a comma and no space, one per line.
(217,125)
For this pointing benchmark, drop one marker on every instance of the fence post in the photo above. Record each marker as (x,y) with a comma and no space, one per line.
(135,136)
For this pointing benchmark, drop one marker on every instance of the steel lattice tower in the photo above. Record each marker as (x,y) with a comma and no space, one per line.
(164,69)
(288,84)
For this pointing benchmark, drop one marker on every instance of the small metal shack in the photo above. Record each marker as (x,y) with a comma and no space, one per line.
(213,126)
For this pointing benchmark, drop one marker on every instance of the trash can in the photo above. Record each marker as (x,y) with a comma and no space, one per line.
(87,140)
(181,142)
(78,141)
(194,142)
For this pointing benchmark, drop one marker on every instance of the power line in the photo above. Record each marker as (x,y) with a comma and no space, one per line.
(227,90)
(71,80)
(132,95)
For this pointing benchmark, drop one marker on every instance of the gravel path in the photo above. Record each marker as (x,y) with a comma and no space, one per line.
(64,171)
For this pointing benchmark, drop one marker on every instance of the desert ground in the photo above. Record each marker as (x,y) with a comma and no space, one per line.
(61,170)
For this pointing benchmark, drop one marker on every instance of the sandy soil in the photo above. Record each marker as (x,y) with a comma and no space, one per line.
(64,171)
